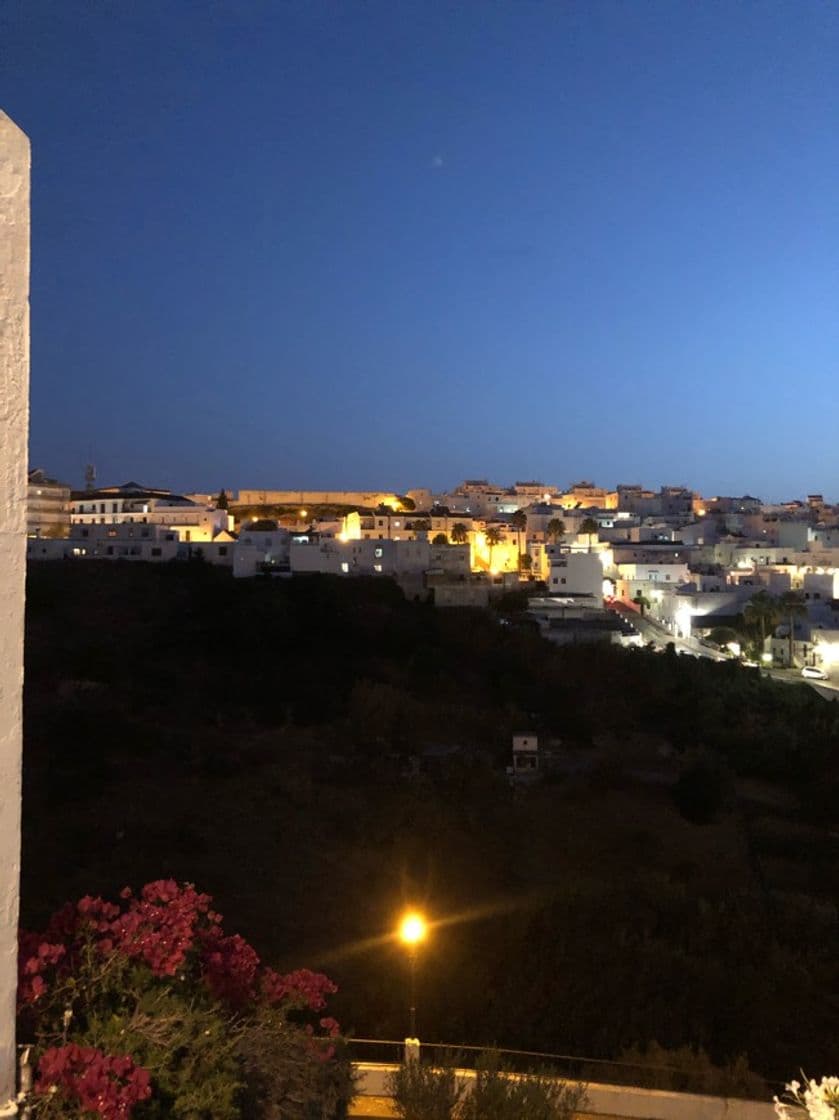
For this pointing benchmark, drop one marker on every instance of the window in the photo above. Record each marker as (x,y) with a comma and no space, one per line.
(345,567)
(156,551)
(377,567)
(109,551)
(222,551)
(377,552)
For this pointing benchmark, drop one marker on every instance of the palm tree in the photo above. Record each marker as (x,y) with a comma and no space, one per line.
(460,534)
(590,528)
(642,602)
(556,529)
(519,523)
(760,615)
(440,538)
(793,606)
(493,537)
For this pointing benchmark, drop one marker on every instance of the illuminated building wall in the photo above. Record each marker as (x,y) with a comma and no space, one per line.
(363,499)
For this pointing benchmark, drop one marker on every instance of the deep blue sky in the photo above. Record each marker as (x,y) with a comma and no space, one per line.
(357,244)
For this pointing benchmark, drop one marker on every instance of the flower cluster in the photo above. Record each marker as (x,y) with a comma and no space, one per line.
(230,968)
(73,975)
(36,959)
(101,1083)
(301,989)
(820,1099)
(160,926)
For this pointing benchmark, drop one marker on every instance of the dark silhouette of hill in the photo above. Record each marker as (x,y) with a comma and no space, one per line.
(316,752)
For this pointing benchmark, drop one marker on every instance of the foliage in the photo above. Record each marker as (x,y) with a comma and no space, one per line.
(146,1001)
(688,1069)
(700,790)
(222,501)
(422,1092)
(199,752)
(589,528)
(642,602)
(460,534)
(440,538)
(503,1095)
(556,529)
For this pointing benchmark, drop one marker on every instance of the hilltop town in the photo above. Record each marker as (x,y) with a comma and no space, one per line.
(718,576)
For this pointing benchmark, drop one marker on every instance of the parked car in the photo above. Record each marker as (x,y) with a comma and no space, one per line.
(814,673)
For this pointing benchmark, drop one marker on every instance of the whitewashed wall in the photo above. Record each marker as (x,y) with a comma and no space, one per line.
(14,422)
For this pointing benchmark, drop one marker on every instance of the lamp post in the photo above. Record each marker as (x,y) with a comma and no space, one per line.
(412,930)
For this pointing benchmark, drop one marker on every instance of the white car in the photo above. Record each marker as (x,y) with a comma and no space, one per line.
(814,673)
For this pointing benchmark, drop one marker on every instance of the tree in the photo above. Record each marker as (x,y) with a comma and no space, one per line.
(222,501)
(460,534)
(761,615)
(642,602)
(422,525)
(493,537)
(556,529)
(792,606)
(526,562)
(519,523)
(440,538)
(590,528)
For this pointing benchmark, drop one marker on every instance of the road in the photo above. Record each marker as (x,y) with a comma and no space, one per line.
(652,631)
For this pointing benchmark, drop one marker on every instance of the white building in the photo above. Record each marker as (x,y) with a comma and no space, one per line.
(262,547)
(576,574)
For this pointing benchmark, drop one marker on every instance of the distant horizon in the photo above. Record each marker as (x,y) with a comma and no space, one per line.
(379,486)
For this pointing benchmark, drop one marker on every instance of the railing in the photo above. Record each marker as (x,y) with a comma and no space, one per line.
(605,1071)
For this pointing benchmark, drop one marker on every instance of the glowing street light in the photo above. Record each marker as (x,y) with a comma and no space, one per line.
(413,929)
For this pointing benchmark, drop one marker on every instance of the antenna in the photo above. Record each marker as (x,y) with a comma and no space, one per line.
(89,476)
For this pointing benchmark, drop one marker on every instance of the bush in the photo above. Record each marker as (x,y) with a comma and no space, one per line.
(700,791)
(429,1093)
(500,1094)
(425,1092)
(147,1002)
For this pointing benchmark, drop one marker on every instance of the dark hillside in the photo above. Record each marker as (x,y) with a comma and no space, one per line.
(675,879)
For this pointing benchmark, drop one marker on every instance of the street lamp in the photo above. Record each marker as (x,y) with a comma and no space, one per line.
(413,929)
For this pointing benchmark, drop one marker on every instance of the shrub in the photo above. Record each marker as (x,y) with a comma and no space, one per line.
(430,1093)
(503,1095)
(424,1092)
(147,1002)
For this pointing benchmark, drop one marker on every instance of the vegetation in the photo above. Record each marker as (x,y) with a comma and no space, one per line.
(641,602)
(318,752)
(145,1003)
(494,536)
(519,523)
(589,528)
(556,529)
(422,1092)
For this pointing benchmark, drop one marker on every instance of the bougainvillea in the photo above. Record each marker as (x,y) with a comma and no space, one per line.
(103,1084)
(147,999)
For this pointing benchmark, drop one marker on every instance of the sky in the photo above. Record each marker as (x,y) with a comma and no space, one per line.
(397,244)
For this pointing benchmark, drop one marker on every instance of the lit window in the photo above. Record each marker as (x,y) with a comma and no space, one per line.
(377,567)
(345,567)
(377,552)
